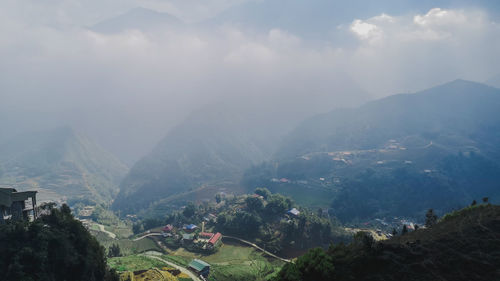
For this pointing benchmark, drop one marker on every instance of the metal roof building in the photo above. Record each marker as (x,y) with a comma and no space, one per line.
(294,212)
(200,267)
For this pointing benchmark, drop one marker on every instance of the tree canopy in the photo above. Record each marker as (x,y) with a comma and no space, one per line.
(52,248)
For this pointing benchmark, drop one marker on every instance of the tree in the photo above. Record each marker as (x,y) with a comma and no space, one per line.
(313,265)
(320,212)
(278,204)
(364,239)
(114,251)
(404,230)
(262,191)
(417,227)
(189,210)
(137,228)
(394,232)
(430,218)
(53,247)
(254,204)
(485,199)
(473,203)
(218,198)
(243,223)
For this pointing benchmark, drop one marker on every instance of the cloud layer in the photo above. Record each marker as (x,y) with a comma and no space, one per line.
(138,83)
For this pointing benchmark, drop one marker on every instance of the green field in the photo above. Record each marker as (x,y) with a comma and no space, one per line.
(121,231)
(232,262)
(127,246)
(241,263)
(133,263)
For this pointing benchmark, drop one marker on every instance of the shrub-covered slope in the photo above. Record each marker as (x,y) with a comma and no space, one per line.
(464,245)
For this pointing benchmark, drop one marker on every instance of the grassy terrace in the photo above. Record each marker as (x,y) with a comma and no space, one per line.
(133,263)
(127,246)
(231,262)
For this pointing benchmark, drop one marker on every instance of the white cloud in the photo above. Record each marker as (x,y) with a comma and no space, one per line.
(250,53)
(437,17)
(428,49)
(364,30)
(157,77)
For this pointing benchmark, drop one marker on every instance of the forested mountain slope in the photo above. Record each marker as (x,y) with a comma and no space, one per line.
(60,163)
(464,245)
(395,156)
(213,146)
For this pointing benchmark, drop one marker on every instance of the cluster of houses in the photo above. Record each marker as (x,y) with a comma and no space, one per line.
(192,238)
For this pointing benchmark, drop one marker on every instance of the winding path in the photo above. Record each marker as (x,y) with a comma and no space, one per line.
(147,235)
(229,237)
(257,247)
(182,269)
(110,234)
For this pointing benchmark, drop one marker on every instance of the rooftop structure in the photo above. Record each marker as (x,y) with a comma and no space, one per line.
(293,212)
(168,228)
(190,227)
(17,205)
(215,239)
(206,235)
(187,237)
(200,267)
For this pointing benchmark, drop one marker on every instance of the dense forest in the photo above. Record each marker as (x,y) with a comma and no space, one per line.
(55,247)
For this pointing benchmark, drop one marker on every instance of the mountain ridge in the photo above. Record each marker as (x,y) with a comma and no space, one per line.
(137,18)
(60,163)
(383,158)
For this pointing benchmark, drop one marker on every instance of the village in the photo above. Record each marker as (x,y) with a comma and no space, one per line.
(192,239)
(195,237)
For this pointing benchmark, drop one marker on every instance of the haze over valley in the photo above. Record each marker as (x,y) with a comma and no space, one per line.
(249,139)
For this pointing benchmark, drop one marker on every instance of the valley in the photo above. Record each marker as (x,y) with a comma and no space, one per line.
(217,201)
(267,140)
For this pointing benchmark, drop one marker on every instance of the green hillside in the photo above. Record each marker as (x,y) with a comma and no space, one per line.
(464,245)
(55,246)
(212,147)
(395,156)
(60,164)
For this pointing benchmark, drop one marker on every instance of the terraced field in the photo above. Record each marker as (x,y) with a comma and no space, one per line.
(232,262)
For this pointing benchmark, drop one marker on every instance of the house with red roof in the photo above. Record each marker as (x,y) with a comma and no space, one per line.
(206,235)
(215,240)
(168,228)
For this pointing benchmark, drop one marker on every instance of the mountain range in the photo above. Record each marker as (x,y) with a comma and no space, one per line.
(60,164)
(137,18)
(395,156)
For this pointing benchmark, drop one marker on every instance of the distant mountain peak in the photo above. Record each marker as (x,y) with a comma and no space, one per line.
(137,18)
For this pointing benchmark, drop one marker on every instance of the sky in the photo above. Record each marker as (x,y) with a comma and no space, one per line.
(127,88)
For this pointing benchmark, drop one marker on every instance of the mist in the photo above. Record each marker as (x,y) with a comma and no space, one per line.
(127,88)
